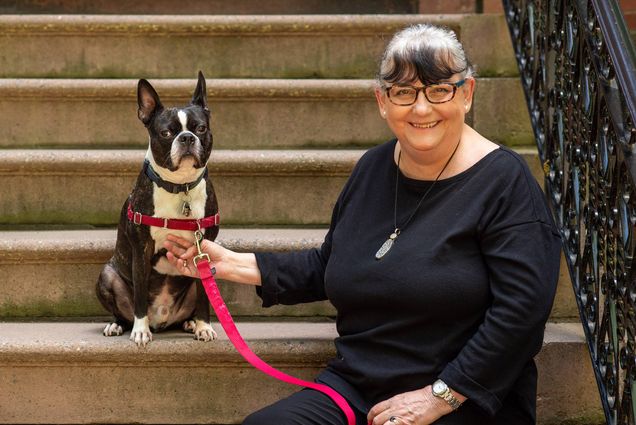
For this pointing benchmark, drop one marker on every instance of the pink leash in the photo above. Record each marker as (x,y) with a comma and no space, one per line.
(202,262)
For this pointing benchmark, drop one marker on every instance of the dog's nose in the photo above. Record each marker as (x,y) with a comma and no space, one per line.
(187,139)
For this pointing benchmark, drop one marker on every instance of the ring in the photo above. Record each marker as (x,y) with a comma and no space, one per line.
(185,264)
(393,419)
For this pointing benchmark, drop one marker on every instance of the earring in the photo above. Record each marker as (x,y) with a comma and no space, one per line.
(384,113)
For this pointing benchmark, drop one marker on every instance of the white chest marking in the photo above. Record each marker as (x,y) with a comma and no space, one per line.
(169,205)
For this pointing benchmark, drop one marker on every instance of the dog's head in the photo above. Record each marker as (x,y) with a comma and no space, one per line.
(180,138)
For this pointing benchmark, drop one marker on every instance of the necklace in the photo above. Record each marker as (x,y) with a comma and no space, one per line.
(386,246)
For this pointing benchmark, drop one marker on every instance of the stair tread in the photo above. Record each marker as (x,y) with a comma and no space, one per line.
(72,88)
(266,24)
(76,361)
(99,161)
(181,87)
(222,162)
(54,245)
(64,335)
(81,336)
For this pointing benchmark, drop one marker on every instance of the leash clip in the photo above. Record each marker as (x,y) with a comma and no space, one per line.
(198,237)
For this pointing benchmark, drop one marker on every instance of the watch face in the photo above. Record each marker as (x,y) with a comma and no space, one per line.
(439,387)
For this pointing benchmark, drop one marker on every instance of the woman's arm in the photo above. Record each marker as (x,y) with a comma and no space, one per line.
(229,265)
(520,247)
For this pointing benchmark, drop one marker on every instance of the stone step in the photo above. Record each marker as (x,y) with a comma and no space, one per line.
(35,267)
(253,187)
(90,186)
(246,114)
(248,46)
(69,373)
(208,7)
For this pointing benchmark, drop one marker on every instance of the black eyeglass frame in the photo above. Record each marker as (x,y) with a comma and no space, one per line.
(455,85)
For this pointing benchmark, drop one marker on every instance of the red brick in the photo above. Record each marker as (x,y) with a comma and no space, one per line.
(494,6)
(630,20)
(628,5)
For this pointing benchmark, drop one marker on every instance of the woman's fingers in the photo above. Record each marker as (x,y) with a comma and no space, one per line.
(179,241)
(377,410)
(179,247)
(185,266)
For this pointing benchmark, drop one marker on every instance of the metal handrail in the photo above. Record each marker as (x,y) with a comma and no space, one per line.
(578,71)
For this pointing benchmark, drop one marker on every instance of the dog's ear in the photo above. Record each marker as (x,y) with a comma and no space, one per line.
(200,97)
(148,101)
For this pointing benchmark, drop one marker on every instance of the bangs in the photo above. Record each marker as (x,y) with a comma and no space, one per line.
(426,64)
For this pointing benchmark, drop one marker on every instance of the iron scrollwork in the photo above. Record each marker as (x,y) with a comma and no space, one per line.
(576,64)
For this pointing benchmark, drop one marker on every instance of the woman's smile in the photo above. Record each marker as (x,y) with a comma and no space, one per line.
(424,125)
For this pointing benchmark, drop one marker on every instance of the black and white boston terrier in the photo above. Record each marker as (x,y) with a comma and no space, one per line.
(138,285)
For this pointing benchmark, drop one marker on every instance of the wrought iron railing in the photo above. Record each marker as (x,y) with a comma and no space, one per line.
(577,67)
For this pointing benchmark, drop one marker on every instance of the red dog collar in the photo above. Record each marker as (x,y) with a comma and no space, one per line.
(172,223)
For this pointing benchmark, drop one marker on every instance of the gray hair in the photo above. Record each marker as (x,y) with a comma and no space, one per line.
(424,52)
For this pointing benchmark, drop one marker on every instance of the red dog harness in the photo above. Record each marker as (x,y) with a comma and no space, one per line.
(172,223)
(202,263)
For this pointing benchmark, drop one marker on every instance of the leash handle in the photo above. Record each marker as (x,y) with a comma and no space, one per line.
(225,318)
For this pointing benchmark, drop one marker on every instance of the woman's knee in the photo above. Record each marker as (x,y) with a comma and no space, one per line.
(266,416)
(250,420)
(304,407)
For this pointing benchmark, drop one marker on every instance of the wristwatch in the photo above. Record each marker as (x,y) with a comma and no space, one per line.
(441,390)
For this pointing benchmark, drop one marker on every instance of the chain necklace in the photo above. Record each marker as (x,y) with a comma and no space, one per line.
(386,246)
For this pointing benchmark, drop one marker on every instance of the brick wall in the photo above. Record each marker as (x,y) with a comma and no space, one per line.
(629,11)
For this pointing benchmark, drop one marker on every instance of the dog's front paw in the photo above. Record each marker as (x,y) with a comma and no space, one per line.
(113,329)
(203,331)
(140,333)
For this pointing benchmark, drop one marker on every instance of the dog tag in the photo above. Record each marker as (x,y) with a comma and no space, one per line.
(185,209)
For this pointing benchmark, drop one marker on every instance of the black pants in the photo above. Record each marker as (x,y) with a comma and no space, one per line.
(306,407)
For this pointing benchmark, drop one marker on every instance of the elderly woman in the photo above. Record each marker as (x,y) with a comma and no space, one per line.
(441,259)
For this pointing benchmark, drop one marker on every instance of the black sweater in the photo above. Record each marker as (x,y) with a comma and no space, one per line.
(463,294)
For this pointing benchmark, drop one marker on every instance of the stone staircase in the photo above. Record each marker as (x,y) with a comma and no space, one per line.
(292,111)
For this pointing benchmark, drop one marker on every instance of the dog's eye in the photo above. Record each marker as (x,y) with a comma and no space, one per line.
(201,129)
(166,133)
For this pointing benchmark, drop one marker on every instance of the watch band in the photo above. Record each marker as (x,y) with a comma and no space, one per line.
(446,394)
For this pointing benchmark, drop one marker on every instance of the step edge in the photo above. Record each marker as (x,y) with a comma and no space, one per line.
(262,89)
(102,162)
(216,25)
(306,343)
(95,247)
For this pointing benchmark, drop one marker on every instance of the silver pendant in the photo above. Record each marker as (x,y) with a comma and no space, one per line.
(185,209)
(386,246)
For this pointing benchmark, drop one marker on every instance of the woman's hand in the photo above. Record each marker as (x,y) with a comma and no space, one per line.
(229,265)
(181,251)
(418,407)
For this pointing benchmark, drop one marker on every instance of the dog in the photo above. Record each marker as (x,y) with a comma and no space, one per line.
(138,285)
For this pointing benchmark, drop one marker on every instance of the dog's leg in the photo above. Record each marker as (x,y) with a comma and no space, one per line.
(141,267)
(116,297)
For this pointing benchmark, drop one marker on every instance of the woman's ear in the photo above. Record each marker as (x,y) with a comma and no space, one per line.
(380,97)
(468,89)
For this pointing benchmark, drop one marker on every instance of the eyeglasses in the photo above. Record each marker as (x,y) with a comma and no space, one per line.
(434,93)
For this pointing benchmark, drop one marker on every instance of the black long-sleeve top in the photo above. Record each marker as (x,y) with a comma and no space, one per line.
(463,294)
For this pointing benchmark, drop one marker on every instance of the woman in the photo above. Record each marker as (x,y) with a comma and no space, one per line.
(441,259)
